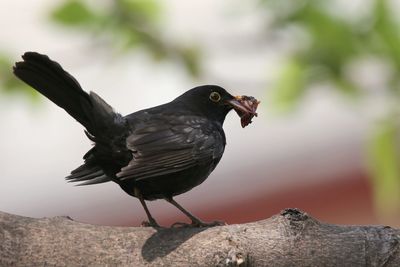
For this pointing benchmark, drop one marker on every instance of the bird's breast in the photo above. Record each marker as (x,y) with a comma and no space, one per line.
(160,187)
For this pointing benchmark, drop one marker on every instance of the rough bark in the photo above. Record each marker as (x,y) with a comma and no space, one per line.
(291,238)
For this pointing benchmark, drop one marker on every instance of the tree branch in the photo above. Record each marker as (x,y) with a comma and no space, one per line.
(291,238)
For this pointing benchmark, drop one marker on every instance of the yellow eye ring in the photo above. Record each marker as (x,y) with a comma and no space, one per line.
(215,97)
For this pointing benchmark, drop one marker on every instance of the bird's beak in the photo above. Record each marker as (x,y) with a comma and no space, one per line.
(245,107)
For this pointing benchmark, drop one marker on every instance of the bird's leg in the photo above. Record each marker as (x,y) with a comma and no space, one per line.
(152,222)
(196,222)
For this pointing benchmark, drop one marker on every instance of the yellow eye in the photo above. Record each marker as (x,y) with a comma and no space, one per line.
(215,97)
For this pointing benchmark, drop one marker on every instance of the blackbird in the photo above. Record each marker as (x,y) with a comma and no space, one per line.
(155,153)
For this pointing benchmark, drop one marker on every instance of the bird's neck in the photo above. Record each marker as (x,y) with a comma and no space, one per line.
(203,110)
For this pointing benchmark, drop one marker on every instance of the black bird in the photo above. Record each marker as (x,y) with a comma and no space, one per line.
(155,153)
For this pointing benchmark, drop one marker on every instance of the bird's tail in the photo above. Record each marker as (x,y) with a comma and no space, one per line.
(49,78)
(99,119)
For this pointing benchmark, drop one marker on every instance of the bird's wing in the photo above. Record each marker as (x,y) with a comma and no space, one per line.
(171,146)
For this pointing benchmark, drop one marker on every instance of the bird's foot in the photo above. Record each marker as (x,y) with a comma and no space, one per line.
(198,224)
(150,223)
(181,225)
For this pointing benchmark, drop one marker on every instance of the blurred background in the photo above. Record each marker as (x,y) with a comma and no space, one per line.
(327,74)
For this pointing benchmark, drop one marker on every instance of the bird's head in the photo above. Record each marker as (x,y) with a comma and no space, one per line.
(215,102)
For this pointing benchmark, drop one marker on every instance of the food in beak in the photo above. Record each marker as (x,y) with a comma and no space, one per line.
(245,107)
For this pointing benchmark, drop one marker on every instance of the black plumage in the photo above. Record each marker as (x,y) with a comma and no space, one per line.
(154,153)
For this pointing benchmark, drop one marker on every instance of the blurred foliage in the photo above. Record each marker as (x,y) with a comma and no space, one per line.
(124,25)
(75,13)
(9,85)
(291,84)
(384,164)
(329,42)
(119,25)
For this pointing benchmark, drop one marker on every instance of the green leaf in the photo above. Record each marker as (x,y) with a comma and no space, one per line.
(142,9)
(387,31)
(191,60)
(10,85)
(384,159)
(74,13)
(290,86)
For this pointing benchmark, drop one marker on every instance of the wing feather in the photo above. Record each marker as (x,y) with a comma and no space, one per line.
(160,150)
